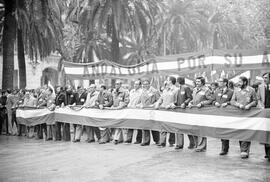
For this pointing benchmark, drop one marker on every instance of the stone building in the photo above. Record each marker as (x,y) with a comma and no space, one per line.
(43,72)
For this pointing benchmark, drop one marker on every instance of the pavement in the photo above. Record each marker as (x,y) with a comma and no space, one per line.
(23,159)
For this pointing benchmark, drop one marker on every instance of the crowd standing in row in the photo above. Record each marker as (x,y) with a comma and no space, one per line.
(174,94)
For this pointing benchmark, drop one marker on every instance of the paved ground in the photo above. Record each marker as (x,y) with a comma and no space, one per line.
(23,159)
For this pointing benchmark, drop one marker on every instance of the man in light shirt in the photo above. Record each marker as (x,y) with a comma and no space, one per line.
(134,97)
(90,103)
(167,101)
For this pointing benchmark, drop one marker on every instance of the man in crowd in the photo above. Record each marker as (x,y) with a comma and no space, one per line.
(90,102)
(10,105)
(60,101)
(244,98)
(134,96)
(264,102)
(201,96)
(50,104)
(184,96)
(148,98)
(80,100)
(70,100)
(166,101)
(120,100)
(104,99)
(222,98)
(3,117)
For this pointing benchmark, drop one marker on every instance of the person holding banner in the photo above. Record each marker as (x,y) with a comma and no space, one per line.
(120,100)
(149,96)
(90,103)
(134,96)
(104,99)
(70,100)
(244,98)
(80,98)
(60,101)
(184,96)
(166,101)
(201,96)
(263,96)
(222,98)
(50,103)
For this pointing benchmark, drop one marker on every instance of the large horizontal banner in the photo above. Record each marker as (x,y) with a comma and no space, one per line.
(214,122)
(174,64)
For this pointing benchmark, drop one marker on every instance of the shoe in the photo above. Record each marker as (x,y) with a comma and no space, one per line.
(177,147)
(90,141)
(137,142)
(102,142)
(115,142)
(144,144)
(244,155)
(161,144)
(200,149)
(171,145)
(77,140)
(191,147)
(223,153)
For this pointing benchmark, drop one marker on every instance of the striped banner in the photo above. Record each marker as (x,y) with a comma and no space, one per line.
(214,122)
(182,64)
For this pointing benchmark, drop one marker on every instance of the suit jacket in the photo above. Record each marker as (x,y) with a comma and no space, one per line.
(224,96)
(60,98)
(11,101)
(80,99)
(184,95)
(261,95)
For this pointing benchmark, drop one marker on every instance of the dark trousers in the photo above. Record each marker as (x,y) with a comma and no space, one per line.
(57,131)
(225,145)
(66,131)
(267,150)
(244,146)
(163,136)
(146,136)
(193,141)
(39,129)
(156,136)
(139,136)
(14,121)
(2,119)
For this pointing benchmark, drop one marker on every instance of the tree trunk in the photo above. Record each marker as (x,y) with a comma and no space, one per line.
(215,40)
(115,45)
(21,60)
(9,35)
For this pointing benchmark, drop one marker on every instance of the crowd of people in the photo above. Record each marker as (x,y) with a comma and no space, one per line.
(175,93)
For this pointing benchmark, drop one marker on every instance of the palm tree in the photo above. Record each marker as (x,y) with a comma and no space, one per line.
(9,34)
(113,18)
(183,27)
(38,31)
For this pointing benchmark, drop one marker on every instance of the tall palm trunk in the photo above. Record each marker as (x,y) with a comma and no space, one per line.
(21,59)
(9,34)
(115,45)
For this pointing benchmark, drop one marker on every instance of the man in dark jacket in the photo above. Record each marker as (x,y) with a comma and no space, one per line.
(222,98)
(80,98)
(60,101)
